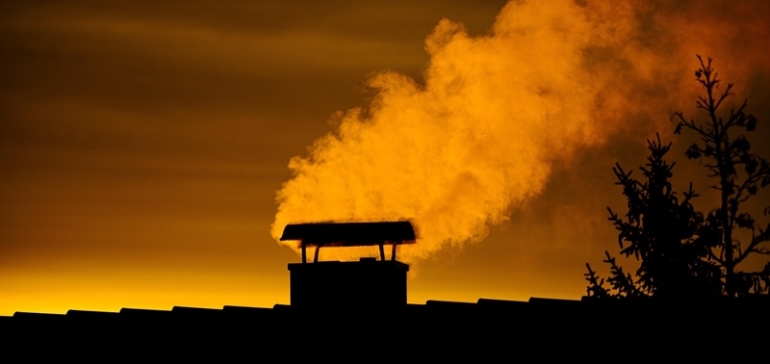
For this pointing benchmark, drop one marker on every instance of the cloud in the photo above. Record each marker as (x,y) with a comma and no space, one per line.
(481,136)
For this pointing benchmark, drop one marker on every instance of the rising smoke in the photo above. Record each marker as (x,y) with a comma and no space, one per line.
(481,136)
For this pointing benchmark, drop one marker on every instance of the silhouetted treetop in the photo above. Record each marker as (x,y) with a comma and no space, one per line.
(683,252)
(660,231)
(739,174)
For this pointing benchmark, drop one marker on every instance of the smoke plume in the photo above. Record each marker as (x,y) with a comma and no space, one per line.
(479,137)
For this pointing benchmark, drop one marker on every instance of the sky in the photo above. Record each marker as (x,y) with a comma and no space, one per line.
(150,152)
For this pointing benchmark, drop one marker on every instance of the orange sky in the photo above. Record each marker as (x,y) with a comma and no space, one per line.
(142,143)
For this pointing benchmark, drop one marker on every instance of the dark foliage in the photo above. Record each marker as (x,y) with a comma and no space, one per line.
(739,174)
(682,252)
(661,232)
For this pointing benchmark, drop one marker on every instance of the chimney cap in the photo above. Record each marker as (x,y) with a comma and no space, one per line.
(351,233)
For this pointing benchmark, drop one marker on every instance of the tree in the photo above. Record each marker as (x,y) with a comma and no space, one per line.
(739,175)
(683,253)
(660,231)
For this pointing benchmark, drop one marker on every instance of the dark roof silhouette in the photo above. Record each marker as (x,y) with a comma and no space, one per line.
(341,307)
(493,329)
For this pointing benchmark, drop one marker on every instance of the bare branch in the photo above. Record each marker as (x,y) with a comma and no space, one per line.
(724,95)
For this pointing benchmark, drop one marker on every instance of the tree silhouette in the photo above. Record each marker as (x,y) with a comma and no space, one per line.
(661,232)
(682,253)
(740,174)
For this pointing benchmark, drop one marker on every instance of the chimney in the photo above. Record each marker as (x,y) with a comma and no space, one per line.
(368,282)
